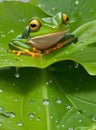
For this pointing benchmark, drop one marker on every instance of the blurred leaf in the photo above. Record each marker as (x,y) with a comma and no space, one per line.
(46,100)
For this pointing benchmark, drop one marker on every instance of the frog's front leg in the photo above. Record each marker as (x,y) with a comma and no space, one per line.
(18,47)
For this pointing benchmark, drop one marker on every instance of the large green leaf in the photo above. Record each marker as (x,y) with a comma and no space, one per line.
(47,100)
(61,96)
(20,13)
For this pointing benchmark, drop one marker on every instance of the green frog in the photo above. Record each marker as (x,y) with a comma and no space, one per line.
(43,35)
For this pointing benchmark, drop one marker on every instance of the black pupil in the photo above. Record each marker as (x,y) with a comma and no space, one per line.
(67,19)
(33,25)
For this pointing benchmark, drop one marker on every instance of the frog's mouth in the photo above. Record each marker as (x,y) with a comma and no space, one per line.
(46,41)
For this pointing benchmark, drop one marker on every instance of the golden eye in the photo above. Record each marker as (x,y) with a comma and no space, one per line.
(34,25)
(65,18)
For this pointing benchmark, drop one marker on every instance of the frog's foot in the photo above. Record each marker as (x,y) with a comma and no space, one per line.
(36,50)
(18,53)
(59,45)
(27,52)
(32,53)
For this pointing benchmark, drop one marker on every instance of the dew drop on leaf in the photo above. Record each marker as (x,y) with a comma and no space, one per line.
(51,116)
(76,2)
(70,128)
(17,75)
(12,30)
(31,116)
(19,124)
(68,107)
(0,124)
(1,91)
(94,118)
(38,118)
(10,114)
(62,126)
(39,5)
(80,121)
(15,99)
(76,65)
(53,8)
(56,121)
(58,101)
(46,102)
(58,126)
(31,101)
(1,108)
(73,20)
(3,35)
(13,84)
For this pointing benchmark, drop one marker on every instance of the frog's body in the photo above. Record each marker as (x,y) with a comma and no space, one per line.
(42,35)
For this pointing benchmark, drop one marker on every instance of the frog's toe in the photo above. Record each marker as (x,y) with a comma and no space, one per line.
(27,52)
(18,53)
(33,54)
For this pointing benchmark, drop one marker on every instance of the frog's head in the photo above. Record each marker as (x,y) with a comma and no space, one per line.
(45,32)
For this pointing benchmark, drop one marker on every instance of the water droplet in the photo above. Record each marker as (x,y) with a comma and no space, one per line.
(77,2)
(11,63)
(3,35)
(53,8)
(39,5)
(46,102)
(76,65)
(1,91)
(19,124)
(82,49)
(62,126)
(68,107)
(49,82)
(56,121)
(78,112)
(0,124)
(13,84)
(1,108)
(51,116)
(31,101)
(58,126)
(58,101)
(38,118)
(94,118)
(67,52)
(22,20)
(17,75)
(10,114)
(11,30)
(80,121)
(70,128)
(31,116)
(16,99)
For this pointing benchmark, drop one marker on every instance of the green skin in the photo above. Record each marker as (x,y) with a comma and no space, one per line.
(49,31)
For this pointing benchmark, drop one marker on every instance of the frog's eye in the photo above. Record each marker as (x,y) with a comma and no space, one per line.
(34,25)
(65,18)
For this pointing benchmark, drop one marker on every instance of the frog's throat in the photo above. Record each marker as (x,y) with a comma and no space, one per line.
(47,41)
